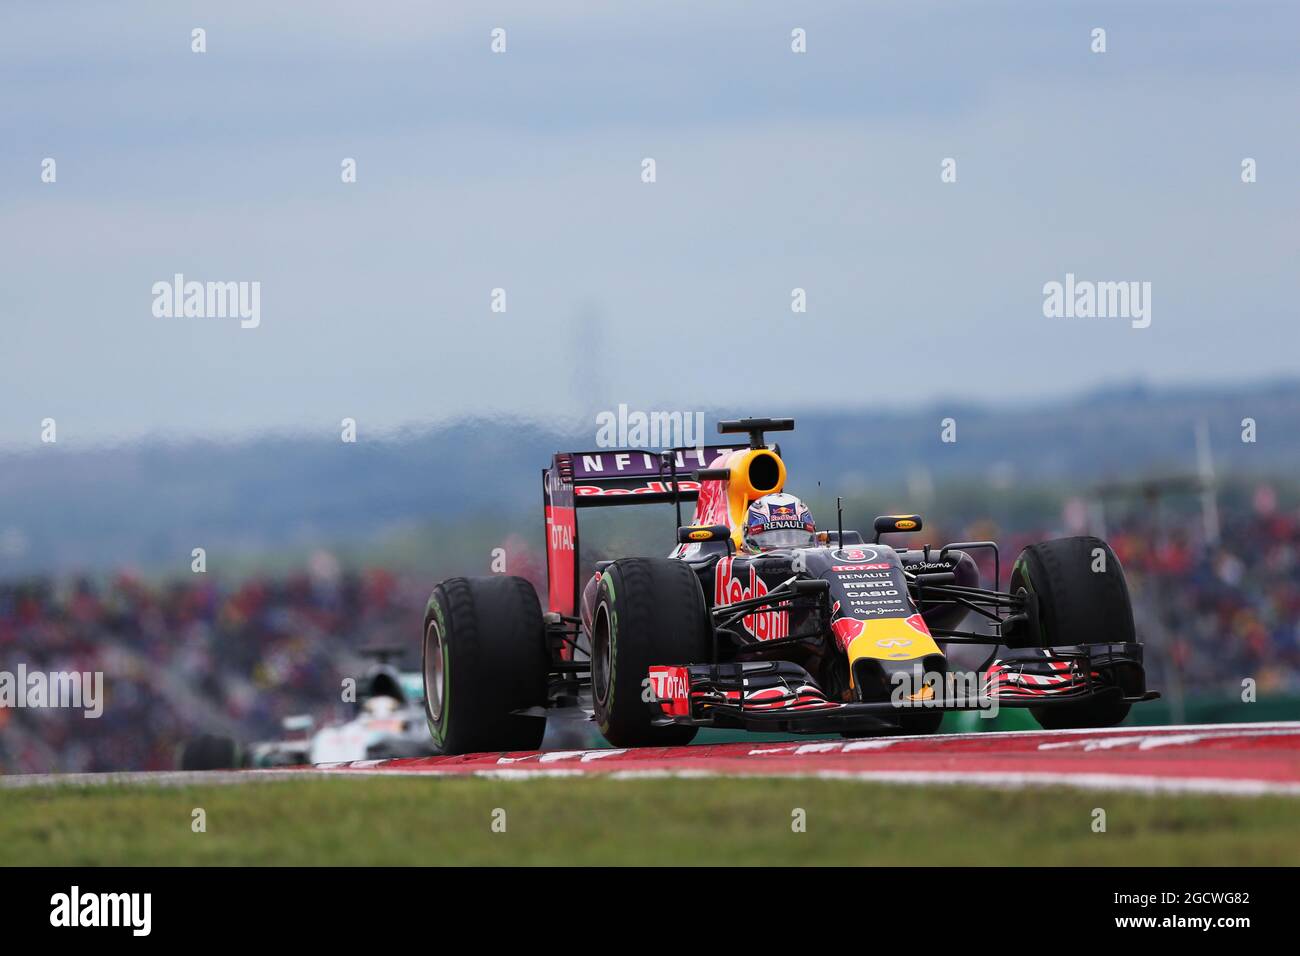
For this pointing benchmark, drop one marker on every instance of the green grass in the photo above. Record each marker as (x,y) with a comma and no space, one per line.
(599,821)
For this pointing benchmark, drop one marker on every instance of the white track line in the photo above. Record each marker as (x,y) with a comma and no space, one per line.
(987,779)
(162,778)
(1293,725)
(997,780)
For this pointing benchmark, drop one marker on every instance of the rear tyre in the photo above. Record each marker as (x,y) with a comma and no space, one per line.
(209,752)
(1082,599)
(649,611)
(484,661)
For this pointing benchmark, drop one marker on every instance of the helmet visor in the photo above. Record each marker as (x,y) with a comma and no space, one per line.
(782,538)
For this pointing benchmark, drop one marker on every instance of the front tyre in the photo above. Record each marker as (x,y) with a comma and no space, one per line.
(484,661)
(1082,598)
(649,611)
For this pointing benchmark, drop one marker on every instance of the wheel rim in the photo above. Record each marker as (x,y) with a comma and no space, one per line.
(434,674)
(600,654)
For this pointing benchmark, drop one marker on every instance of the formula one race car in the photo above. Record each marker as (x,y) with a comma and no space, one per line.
(387,720)
(760,620)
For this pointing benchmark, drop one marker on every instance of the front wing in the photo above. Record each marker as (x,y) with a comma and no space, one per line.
(780,696)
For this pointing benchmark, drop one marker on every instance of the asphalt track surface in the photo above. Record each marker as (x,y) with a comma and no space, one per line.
(1242,759)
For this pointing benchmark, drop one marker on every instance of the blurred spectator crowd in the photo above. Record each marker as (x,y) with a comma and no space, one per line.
(1223,613)
(188,657)
(204,655)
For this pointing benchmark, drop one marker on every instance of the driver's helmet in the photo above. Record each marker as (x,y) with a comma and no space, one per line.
(779,521)
(381,705)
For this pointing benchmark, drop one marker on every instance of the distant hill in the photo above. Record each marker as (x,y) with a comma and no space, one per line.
(150,503)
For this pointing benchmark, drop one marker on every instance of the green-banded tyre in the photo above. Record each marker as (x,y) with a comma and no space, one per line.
(485,664)
(649,611)
(1082,598)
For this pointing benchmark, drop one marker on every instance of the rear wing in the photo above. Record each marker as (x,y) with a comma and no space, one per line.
(636,476)
(608,478)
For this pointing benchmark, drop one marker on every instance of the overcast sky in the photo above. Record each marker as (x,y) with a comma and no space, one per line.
(522,170)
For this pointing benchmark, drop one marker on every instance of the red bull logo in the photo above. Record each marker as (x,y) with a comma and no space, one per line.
(711,507)
(728,589)
(846,629)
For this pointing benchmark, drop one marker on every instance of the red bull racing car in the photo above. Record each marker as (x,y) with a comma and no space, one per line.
(760,620)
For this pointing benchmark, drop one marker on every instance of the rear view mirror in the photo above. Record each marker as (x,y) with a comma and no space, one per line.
(690,534)
(888,524)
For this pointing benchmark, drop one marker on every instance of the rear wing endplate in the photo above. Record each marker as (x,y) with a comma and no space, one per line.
(608,478)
